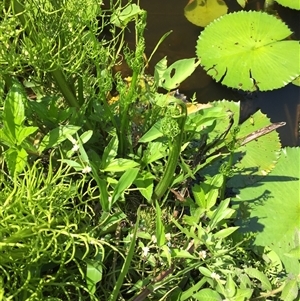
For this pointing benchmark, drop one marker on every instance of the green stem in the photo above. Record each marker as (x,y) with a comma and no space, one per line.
(124,108)
(174,153)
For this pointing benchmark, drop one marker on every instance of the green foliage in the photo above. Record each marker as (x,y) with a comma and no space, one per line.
(111,190)
(14,134)
(252,150)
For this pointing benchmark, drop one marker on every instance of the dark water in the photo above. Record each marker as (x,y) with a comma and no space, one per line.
(280,105)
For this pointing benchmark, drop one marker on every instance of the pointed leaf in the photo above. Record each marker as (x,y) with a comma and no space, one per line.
(207,294)
(159,229)
(25,132)
(254,273)
(118,165)
(124,183)
(56,136)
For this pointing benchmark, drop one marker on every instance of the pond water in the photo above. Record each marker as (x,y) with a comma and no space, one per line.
(280,105)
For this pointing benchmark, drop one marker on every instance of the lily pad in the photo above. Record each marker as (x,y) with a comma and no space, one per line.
(249,51)
(290,3)
(202,12)
(253,160)
(272,209)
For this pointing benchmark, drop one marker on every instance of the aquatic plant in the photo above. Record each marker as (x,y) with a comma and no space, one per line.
(255,55)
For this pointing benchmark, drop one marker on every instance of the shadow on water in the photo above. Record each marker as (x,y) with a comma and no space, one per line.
(280,105)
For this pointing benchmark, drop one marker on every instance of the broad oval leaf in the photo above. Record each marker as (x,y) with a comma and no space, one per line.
(178,72)
(249,51)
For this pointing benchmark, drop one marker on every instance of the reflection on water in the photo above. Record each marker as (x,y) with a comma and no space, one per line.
(280,105)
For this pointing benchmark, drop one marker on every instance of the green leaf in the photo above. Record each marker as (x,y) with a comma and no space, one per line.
(110,221)
(121,18)
(144,183)
(86,136)
(25,132)
(296,81)
(57,136)
(294,253)
(94,272)
(177,73)
(154,133)
(261,207)
(16,160)
(211,195)
(207,294)
(222,212)
(110,152)
(77,166)
(154,152)
(7,138)
(201,12)
(159,70)
(199,195)
(160,228)
(118,165)
(230,287)
(225,232)
(252,161)
(290,291)
(255,54)
(178,253)
(124,183)
(257,158)
(243,294)
(242,3)
(205,271)
(294,4)
(166,252)
(14,110)
(254,273)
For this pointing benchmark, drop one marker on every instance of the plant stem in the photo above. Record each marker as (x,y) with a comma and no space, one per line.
(124,108)
(174,153)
